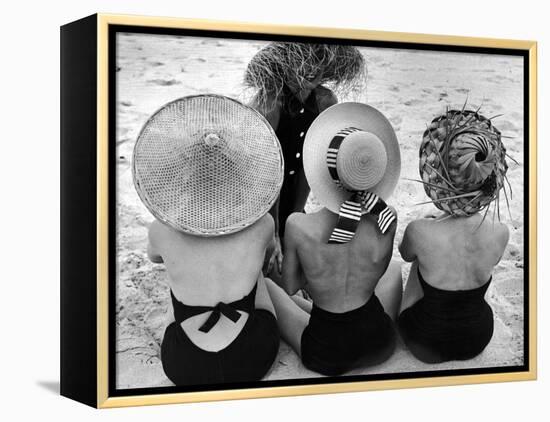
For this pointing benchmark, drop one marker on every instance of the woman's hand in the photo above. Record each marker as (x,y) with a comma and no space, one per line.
(276,259)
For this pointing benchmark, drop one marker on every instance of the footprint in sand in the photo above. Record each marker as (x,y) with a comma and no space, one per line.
(396,121)
(375,59)
(506,125)
(412,102)
(394,88)
(462,90)
(164,82)
(214,43)
(513,253)
(499,78)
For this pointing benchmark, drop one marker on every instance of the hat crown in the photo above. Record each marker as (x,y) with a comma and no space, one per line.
(354,117)
(361,161)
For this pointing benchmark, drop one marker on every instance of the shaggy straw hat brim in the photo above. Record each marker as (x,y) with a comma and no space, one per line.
(207,165)
(380,177)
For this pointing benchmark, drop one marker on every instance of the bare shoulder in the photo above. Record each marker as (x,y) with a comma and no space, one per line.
(501,233)
(325,97)
(504,231)
(267,223)
(156,229)
(265,226)
(419,227)
(294,223)
(300,226)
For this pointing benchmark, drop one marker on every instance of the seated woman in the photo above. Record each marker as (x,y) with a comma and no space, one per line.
(341,255)
(209,169)
(444,314)
(293,84)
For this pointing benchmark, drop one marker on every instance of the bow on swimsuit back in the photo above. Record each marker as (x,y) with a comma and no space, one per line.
(229,310)
(247,358)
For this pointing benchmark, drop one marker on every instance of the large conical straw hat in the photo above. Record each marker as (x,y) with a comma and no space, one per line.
(369,159)
(207,165)
(462,162)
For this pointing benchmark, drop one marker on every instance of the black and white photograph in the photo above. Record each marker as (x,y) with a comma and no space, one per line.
(312,211)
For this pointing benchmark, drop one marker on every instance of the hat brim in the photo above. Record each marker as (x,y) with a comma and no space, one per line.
(164,173)
(319,136)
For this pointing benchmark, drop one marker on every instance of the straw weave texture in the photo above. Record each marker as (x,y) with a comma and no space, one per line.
(207,165)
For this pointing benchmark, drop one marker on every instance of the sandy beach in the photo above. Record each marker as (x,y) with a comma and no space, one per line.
(410,87)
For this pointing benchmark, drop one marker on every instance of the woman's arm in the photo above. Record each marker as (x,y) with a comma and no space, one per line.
(276,258)
(272,115)
(325,98)
(293,278)
(152,251)
(406,248)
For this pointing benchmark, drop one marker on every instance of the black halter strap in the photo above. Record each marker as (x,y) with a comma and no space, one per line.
(350,211)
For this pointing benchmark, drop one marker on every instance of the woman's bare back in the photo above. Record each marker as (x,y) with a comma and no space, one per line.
(204,270)
(340,277)
(457,253)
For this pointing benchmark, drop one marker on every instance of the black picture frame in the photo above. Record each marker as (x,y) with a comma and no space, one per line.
(88,210)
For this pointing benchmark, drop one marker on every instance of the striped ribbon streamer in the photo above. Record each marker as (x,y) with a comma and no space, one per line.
(350,211)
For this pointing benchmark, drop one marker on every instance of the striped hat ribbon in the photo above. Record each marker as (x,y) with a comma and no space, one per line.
(350,211)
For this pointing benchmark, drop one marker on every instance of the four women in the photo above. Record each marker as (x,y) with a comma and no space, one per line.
(211,178)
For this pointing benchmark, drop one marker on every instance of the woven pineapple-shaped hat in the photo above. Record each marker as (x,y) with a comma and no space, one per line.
(462,162)
(207,165)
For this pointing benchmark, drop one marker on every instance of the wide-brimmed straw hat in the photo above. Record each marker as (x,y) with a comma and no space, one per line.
(368,159)
(207,165)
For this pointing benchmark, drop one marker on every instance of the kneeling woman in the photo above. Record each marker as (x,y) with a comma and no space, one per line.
(209,169)
(444,313)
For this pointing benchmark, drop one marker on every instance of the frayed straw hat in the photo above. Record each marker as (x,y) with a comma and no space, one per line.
(369,159)
(463,163)
(207,165)
(341,68)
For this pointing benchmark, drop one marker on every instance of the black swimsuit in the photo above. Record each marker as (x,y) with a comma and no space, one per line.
(334,343)
(248,358)
(447,325)
(294,122)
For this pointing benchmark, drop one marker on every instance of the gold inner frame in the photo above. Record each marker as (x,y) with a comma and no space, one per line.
(103,400)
